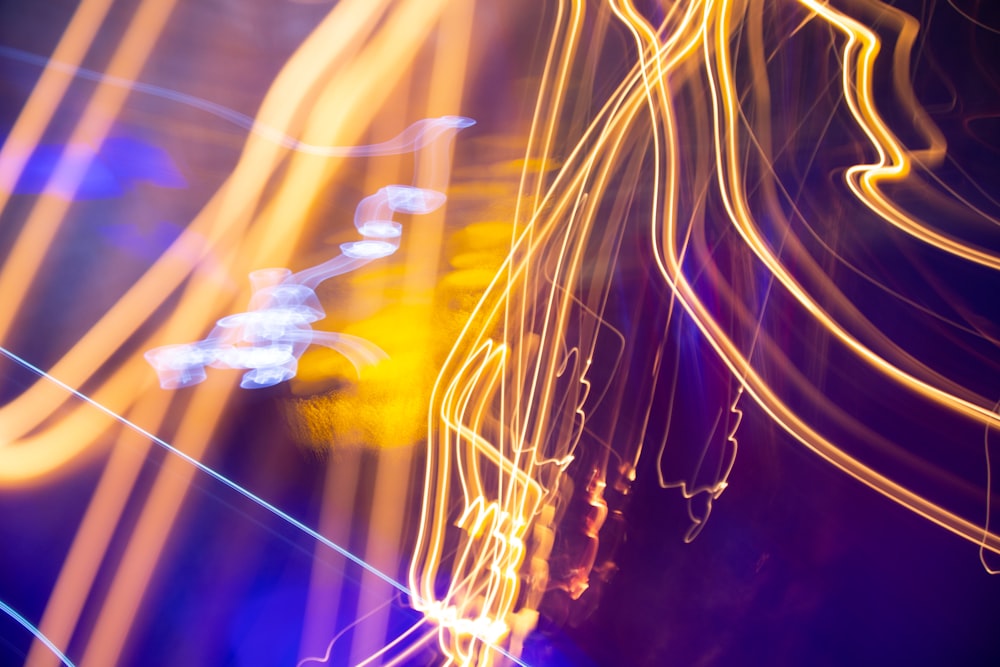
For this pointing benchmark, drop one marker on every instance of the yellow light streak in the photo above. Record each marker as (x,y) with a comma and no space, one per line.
(509,412)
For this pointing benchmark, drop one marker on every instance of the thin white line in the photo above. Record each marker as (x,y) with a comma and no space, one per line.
(26,624)
(227,482)
(212,473)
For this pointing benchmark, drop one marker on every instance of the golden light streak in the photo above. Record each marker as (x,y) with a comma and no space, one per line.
(40,228)
(894,163)
(523,420)
(703,33)
(31,448)
(737,362)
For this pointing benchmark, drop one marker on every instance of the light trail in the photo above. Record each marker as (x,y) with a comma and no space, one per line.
(666,157)
(477,377)
(222,479)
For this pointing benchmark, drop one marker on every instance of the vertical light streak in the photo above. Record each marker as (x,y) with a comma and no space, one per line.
(75,582)
(42,224)
(543,125)
(446,89)
(381,550)
(989,502)
(41,105)
(341,481)
(503,479)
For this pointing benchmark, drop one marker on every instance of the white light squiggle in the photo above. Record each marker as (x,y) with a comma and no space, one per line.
(268,340)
